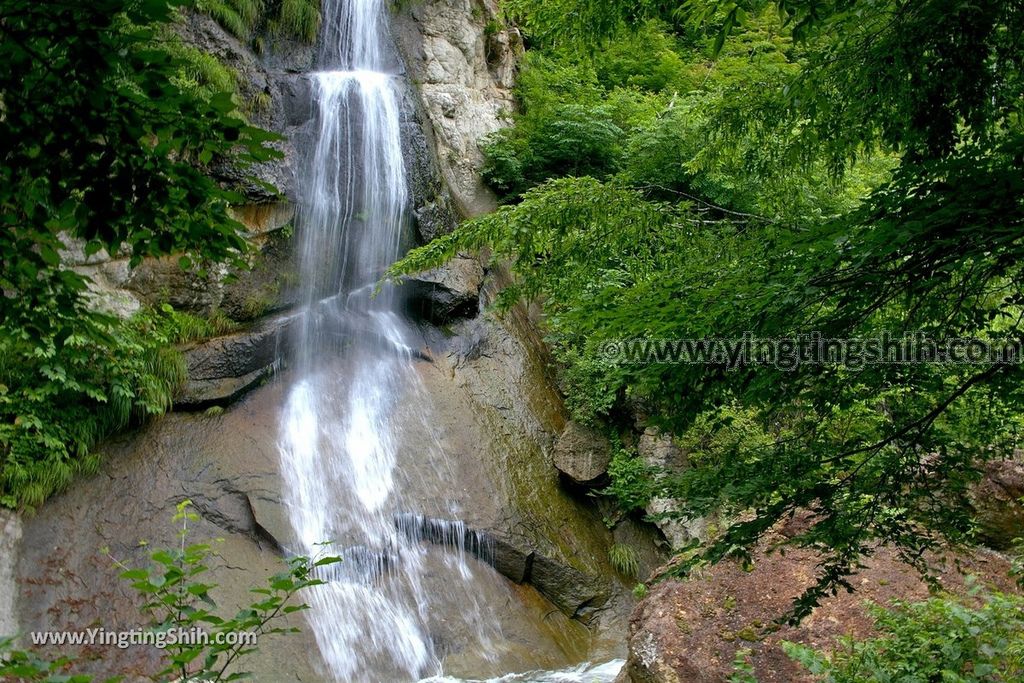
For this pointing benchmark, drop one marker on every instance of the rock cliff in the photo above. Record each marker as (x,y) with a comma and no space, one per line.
(463,63)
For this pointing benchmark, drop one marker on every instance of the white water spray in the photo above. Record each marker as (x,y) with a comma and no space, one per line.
(352,364)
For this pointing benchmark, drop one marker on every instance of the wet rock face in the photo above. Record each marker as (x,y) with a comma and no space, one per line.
(493,417)
(65,581)
(265,288)
(498,415)
(577,594)
(690,631)
(464,73)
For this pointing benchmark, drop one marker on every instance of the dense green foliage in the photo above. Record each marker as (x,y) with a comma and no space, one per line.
(61,393)
(854,168)
(26,666)
(941,639)
(101,141)
(650,108)
(176,599)
(200,74)
(67,395)
(632,481)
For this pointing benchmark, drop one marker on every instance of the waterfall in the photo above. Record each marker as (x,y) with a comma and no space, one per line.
(352,365)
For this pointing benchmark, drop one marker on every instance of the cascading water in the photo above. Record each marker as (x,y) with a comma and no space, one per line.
(352,365)
(408,578)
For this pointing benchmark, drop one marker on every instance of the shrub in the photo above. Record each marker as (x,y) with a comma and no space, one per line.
(78,382)
(632,484)
(942,639)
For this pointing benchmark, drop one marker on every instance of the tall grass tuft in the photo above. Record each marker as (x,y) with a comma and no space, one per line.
(625,560)
(239,17)
(300,19)
(295,18)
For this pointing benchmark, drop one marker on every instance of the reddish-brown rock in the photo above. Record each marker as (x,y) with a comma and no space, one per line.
(689,631)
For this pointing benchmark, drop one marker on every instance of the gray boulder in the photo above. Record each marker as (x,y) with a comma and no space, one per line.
(998,501)
(660,451)
(582,455)
(447,293)
(222,369)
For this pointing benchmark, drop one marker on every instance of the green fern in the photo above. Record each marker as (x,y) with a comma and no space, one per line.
(56,407)
(201,73)
(220,323)
(258,102)
(183,328)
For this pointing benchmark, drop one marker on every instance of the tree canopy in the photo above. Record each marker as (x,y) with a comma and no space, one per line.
(101,141)
(854,168)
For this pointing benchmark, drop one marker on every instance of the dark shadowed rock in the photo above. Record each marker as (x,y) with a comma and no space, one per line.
(260,91)
(296,100)
(283,53)
(204,393)
(447,293)
(575,593)
(645,539)
(431,203)
(236,355)
(511,562)
(999,501)
(582,454)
